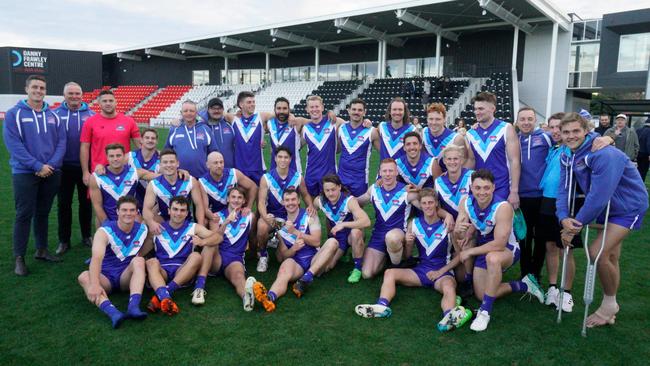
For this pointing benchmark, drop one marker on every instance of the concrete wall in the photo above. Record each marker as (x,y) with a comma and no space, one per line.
(535,75)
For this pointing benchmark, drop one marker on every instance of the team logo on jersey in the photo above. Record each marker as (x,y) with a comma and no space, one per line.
(183,192)
(179,135)
(200,136)
(489,222)
(51,120)
(492,138)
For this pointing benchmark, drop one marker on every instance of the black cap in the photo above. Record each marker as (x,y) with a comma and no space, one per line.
(215,101)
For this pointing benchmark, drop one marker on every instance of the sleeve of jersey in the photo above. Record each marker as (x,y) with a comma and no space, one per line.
(561,204)
(15,144)
(56,160)
(606,171)
(168,143)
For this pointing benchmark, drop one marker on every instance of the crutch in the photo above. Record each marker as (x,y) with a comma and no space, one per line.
(565,256)
(590,278)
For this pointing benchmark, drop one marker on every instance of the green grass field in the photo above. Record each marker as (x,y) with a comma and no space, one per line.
(46,320)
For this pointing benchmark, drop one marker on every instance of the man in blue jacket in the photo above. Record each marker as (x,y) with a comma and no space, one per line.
(36,141)
(608,178)
(73,113)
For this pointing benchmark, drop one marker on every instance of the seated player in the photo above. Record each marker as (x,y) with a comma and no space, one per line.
(433,270)
(219,180)
(452,186)
(269,200)
(392,205)
(303,256)
(346,220)
(161,190)
(175,259)
(114,264)
(416,168)
(234,223)
(496,247)
(117,180)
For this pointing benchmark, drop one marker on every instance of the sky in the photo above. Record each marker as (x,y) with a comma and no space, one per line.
(103,25)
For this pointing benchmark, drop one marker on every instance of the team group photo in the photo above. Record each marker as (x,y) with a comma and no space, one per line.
(406,210)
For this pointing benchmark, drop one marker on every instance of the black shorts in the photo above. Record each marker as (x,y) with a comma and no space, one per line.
(549,229)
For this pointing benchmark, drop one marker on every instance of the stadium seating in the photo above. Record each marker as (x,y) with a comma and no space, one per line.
(89,97)
(159,102)
(499,83)
(293,91)
(128,96)
(332,92)
(381,91)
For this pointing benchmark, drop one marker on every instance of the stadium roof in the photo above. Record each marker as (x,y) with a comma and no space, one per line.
(393,23)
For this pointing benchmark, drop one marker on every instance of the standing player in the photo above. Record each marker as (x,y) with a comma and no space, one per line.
(534,146)
(36,142)
(612,186)
(355,146)
(269,200)
(494,146)
(175,259)
(234,224)
(301,252)
(114,264)
(222,132)
(320,137)
(437,136)
(346,220)
(107,127)
(388,137)
(433,271)
(219,180)
(145,158)
(496,248)
(73,113)
(415,168)
(161,190)
(392,207)
(284,134)
(192,141)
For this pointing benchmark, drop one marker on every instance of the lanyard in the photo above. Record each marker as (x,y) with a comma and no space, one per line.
(187,132)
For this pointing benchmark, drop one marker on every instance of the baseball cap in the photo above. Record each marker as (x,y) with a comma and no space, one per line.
(215,101)
(621,115)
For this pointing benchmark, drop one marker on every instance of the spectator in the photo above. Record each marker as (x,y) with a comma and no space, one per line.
(604,124)
(625,138)
(643,158)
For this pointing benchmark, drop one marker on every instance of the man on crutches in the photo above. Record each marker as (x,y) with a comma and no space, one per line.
(616,197)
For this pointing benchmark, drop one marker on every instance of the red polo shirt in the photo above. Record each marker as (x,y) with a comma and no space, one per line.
(100,131)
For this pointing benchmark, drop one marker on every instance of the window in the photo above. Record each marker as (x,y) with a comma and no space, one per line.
(634,52)
(584,57)
(396,68)
(345,72)
(371,69)
(200,77)
(410,69)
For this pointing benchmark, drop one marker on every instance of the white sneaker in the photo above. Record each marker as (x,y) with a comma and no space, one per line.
(481,321)
(373,311)
(567,302)
(263,264)
(249,296)
(533,287)
(552,296)
(198,296)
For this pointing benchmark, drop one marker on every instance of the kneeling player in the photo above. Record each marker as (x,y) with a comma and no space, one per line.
(300,247)
(175,258)
(433,270)
(114,264)
(496,247)
(234,223)
(346,220)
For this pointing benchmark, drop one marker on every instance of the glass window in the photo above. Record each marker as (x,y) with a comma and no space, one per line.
(322,72)
(332,72)
(396,68)
(312,73)
(256,76)
(233,77)
(634,52)
(591,29)
(410,69)
(223,76)
(584,57)
(371,69)
(345,72)
(574,79)
(578,31)
(286,74)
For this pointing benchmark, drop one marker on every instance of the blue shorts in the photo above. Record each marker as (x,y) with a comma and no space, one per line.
(424,267)
(342,238)
(314,188)
(170,266)
(480,261)
(114,273)
(303,262)
(358,189)
(255,176)
(226,260)
(378,239)
(502,193)
(632,222)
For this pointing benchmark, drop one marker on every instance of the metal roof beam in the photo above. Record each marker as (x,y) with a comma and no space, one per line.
(364,30)
(204,50)
(165,54)
(408,17)
(128,56)
(499,11)
(240,43)
(292,37)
